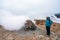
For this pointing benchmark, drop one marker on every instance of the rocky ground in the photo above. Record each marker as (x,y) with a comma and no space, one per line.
(38,34)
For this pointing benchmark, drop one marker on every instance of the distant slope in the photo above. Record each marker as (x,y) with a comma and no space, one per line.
(55,19)
(57,15)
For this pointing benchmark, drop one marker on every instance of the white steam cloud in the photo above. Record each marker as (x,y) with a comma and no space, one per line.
(12,22)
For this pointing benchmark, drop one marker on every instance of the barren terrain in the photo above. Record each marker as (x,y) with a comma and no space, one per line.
(38,34)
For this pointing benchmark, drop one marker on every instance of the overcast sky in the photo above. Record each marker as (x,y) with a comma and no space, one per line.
(32,8)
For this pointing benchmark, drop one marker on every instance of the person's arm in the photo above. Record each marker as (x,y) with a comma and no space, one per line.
(51,22)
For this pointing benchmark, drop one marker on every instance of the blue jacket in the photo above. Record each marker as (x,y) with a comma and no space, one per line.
(48,24)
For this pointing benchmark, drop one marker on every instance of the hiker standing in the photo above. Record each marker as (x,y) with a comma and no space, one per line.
(48,25)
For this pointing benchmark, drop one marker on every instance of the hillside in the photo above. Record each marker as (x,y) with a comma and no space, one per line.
(38,34)
(55,26)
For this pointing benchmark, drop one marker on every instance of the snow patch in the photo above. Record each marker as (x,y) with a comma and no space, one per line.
(55,19)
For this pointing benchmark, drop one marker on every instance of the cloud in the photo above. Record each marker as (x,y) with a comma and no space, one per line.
(5,13)
(31,8)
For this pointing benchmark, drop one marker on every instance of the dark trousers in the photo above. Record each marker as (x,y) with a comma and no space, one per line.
(48,30)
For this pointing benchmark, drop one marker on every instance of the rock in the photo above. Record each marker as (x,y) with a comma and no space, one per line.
(29,25)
